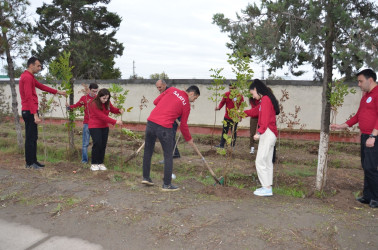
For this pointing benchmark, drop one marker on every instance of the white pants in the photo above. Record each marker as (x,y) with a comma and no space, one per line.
(264,164)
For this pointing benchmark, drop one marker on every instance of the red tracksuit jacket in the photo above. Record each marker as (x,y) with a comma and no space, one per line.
(170,105)
(29,98)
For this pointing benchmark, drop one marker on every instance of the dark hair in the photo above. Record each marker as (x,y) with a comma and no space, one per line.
(97,101)
(93,86)
(262,89)
(194,89)
(367,73)
(32,60)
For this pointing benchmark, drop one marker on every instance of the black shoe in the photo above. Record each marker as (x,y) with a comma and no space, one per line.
(363,200)
(147,181)
(33,166)
(169,188)
(373,204)
(219,146)
(39,164)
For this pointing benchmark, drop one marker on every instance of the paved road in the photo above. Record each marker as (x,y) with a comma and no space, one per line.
(15,236)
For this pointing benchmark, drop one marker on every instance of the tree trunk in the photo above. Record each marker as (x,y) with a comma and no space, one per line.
(12,84)
(71,122)
(321,176)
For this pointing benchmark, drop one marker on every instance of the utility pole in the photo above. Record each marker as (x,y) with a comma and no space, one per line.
(134,70)
(262,71)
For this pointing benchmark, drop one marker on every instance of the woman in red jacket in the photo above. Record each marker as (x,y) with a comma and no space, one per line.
(98,125)
(266,133)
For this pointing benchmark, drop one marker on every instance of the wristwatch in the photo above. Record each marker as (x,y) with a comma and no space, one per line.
(371,136)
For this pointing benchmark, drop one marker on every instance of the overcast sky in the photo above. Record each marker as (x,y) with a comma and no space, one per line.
(174,36)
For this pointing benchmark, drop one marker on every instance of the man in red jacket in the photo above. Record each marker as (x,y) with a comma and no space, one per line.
(228,122)
(29,103)
(367,118)
(83,102)
(170,104)
(161,86)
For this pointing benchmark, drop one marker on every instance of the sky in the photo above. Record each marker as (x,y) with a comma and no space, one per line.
(175,36)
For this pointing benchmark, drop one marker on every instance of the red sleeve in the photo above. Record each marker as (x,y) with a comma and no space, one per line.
(354,119)
(80,103)
(98,113)
(157,100)
(221,104)
(28,92)
(376,109)
(45,88)
(113,109)
(265,113)
(253,112)
(184,123)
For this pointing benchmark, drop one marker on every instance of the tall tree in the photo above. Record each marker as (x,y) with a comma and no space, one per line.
(86,29)
(328,34)
(15,42)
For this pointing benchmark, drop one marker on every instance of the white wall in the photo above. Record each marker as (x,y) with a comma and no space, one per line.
(308,97)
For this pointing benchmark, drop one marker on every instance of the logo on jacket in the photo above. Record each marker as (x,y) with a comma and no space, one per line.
(179,97)
(369,99)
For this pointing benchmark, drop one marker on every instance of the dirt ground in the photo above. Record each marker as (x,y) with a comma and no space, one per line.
(113,209)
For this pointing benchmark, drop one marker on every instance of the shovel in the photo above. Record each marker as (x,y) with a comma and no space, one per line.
(220,181)
(133,155)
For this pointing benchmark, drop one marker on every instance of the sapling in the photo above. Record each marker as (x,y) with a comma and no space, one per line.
(119,99)
(60,70)
(45,106)
(339,90)
(241,67)
(143,104)
(216,86)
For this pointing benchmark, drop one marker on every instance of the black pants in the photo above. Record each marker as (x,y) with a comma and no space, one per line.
(174,130)
(369,161)
(226,127)
(31,137)
(100,139)
(165,137)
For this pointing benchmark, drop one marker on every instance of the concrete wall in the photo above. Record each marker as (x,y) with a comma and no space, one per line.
(306,94)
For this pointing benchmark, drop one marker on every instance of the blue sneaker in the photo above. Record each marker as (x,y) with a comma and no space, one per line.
(263,192)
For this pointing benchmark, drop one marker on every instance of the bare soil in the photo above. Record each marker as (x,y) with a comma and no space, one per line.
(113,209)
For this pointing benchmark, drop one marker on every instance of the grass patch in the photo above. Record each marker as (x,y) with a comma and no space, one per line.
(300,171)
(297,192)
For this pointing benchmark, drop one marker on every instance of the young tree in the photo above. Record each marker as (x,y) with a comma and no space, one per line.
(15,42)
(86,29)
(329,34)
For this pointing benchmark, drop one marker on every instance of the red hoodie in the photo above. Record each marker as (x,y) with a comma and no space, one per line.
(29,98)
(266,114)
(367,114)
(170,105)
(84,101)
(100,118)
(230,103)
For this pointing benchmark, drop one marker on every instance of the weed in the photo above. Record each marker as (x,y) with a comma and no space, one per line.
(300,171)
(117,177)
(325,194)
(357,194)
(57,209)
(290,191)
(10,196)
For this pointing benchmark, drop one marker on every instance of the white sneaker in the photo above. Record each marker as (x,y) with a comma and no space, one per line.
(95,167)
(252,150)
(102,167)
(263,192)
